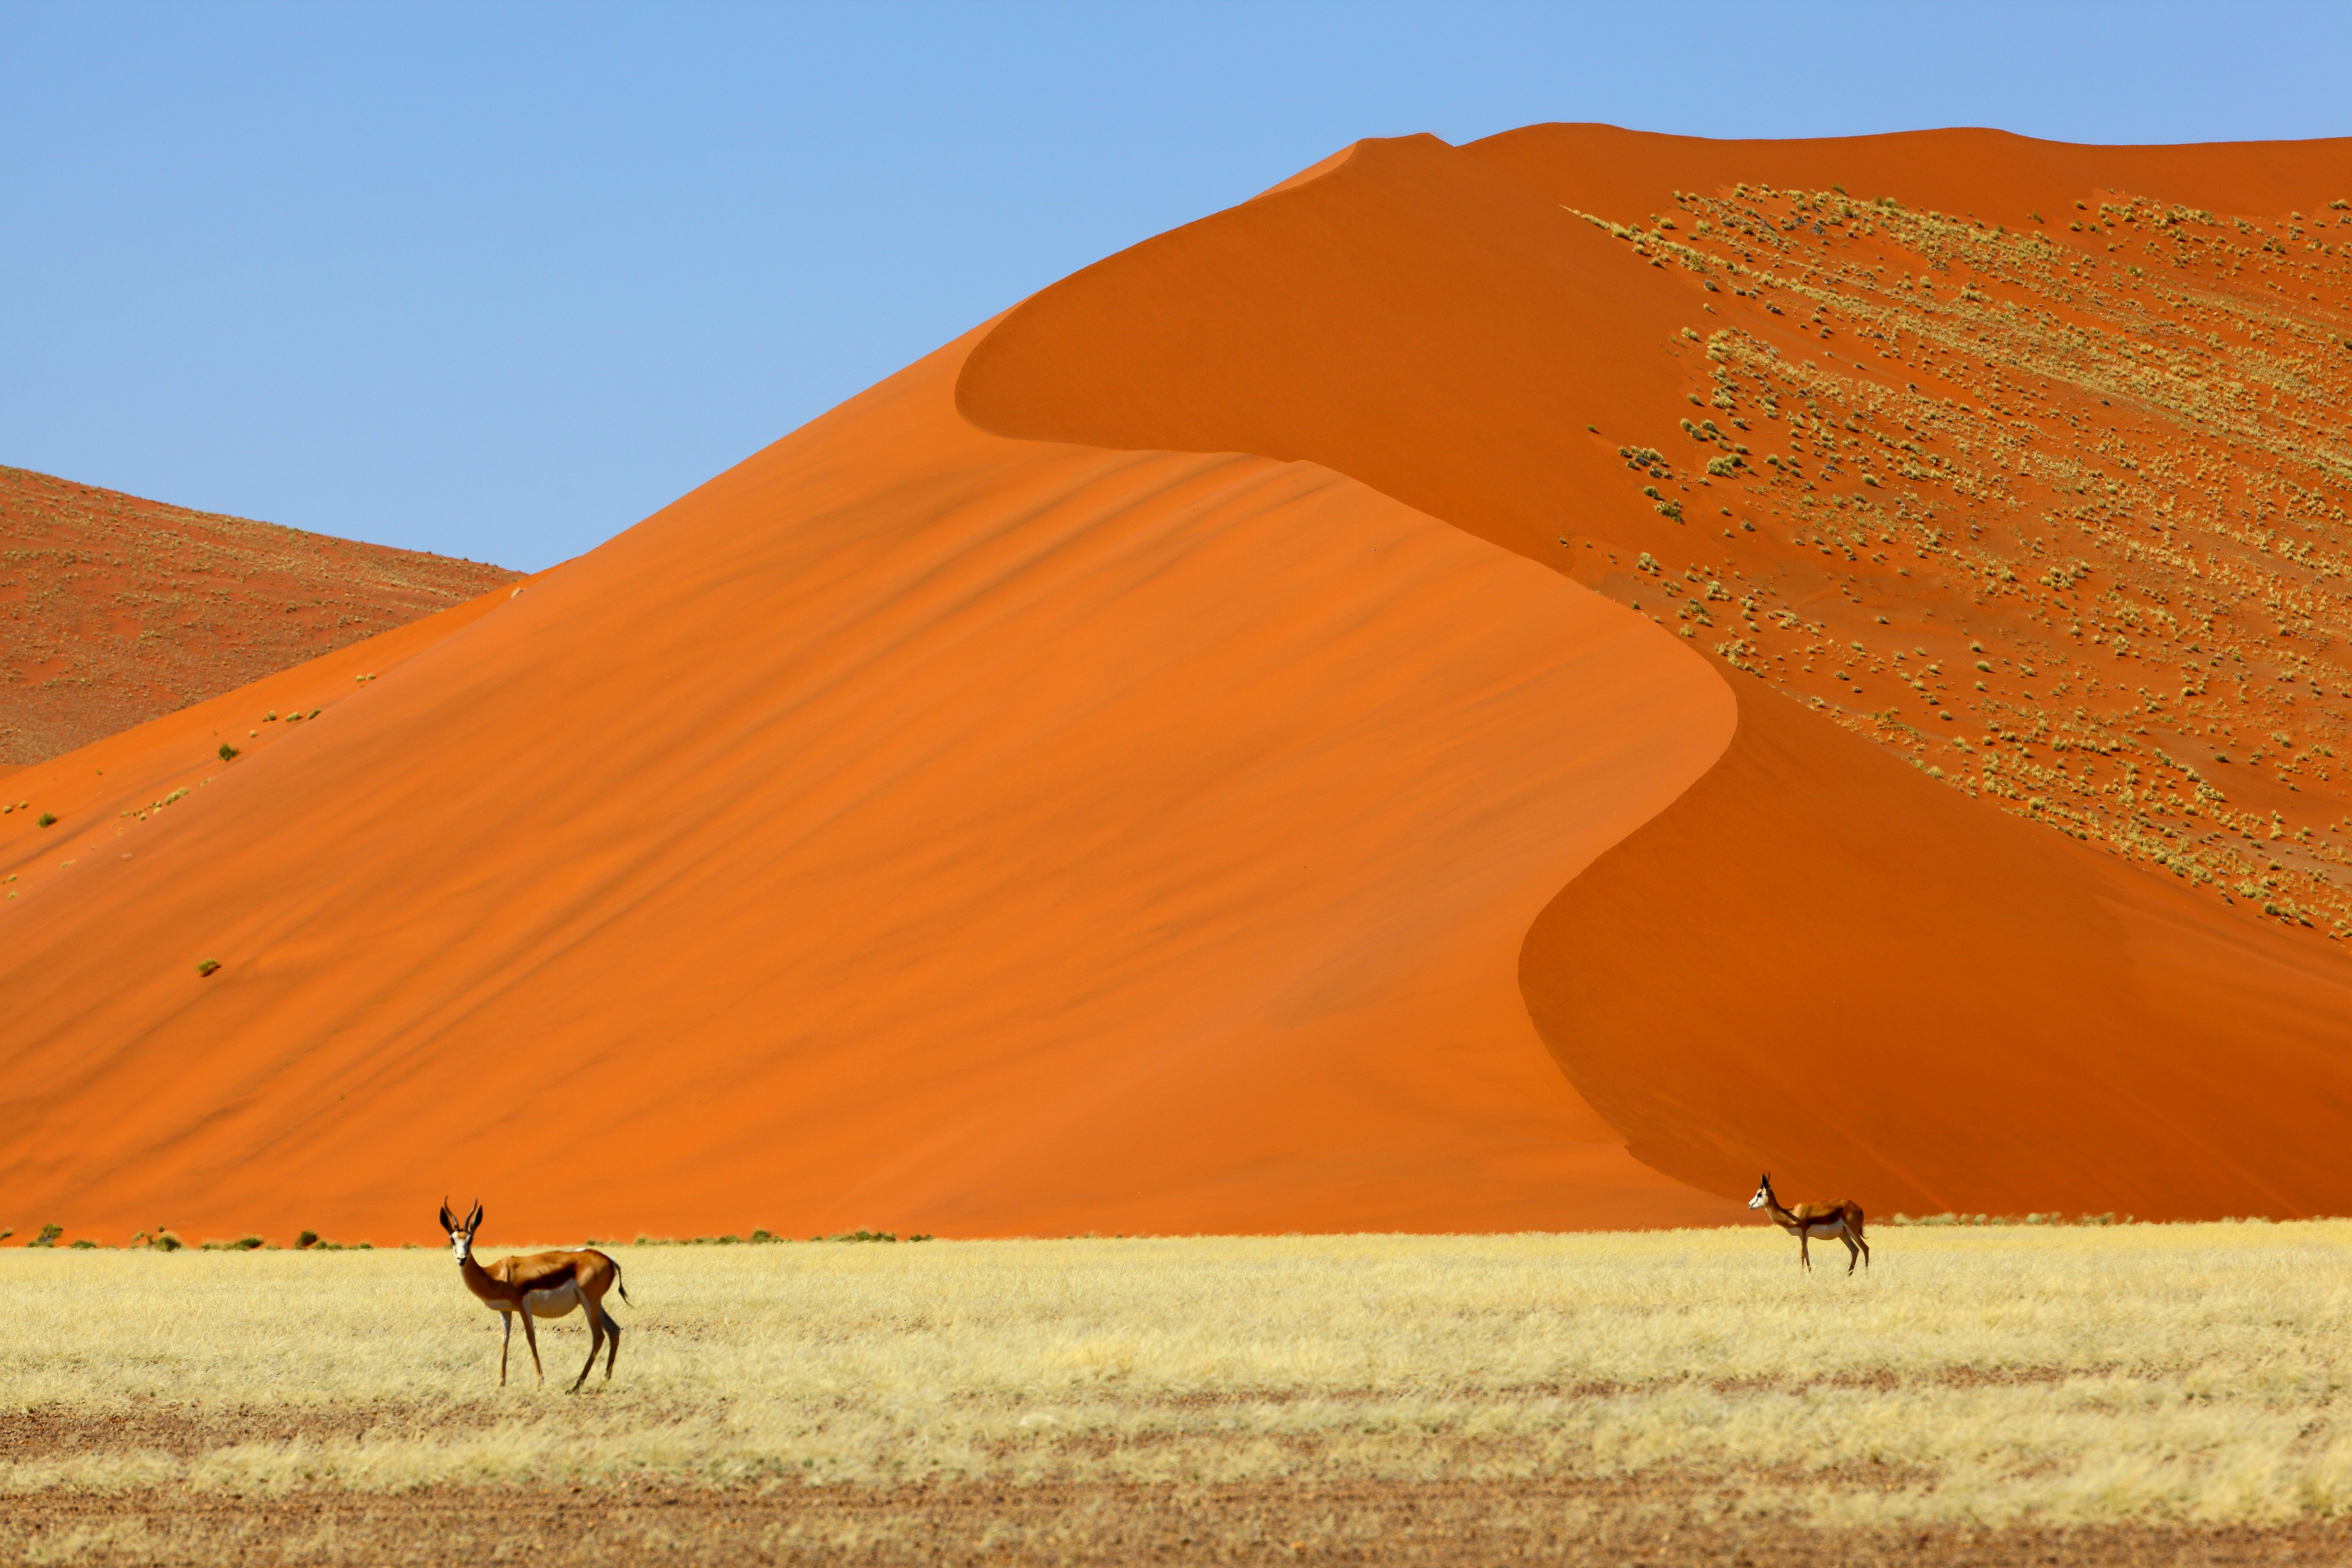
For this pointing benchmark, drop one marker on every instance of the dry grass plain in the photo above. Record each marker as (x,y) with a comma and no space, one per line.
(2130,1394)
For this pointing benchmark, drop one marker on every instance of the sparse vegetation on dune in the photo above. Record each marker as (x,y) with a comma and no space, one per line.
(2080,1375)
(2132,478)
(122,608)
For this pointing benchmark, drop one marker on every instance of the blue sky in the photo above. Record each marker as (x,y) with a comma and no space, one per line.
(499,281)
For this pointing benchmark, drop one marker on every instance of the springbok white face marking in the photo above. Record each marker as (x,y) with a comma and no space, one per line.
(461,1242)
(1763,1195)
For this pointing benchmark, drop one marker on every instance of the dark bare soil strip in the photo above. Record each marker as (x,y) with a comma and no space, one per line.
(1879,1380)
(49,1432)
(1651,1522)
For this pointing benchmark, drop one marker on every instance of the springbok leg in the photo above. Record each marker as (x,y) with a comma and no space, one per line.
(505,1338)
(613,1337)
(595,1340)
(531,1335)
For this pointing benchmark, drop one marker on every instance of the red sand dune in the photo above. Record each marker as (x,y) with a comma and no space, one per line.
(1107,777)
(912,827)
(114,609)
(1817,959)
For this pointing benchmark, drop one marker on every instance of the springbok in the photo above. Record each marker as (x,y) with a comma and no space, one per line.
(1808,1222)
(540,1285)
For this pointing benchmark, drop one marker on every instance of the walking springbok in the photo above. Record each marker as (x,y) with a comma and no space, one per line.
(1808,1222)
(540,1285)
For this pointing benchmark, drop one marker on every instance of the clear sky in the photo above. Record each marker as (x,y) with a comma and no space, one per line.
(498,280)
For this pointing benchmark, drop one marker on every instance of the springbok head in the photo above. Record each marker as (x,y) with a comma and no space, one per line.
(461,1237)
(1763,1197)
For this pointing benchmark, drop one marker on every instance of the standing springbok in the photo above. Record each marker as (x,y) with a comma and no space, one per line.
(1808,1222)
(540,1285)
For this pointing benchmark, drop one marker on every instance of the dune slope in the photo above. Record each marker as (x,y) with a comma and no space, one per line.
(913,827)
(114,609)
(1898,993)
(1105,777)
(1820,960)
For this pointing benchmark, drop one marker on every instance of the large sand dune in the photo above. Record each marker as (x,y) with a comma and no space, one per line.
(913,826)
(1819,959)
(1142,768)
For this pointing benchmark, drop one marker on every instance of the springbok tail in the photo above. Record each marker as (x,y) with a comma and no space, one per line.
(617,1282)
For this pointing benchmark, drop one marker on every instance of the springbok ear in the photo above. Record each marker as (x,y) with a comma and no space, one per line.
(446,1223)
(474,1220)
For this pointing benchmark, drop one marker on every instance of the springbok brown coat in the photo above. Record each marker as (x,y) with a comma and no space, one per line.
(540,1285)
(1841,1220)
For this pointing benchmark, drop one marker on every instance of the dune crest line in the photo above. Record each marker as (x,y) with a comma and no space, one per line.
(1817,959)
(912,827)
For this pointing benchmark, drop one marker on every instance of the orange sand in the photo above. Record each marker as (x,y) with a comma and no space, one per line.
(1106,777)
(1817,961)
(912,827)
(1988,175)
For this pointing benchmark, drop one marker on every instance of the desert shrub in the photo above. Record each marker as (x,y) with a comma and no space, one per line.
(46,819)
(228,751)
(49,1237)
(205,970)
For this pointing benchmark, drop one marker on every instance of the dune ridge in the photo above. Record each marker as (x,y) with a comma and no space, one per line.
(1818,960)
(912,827)
(1973,169)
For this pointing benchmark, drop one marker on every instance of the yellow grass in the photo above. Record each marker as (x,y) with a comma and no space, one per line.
(2180,1373)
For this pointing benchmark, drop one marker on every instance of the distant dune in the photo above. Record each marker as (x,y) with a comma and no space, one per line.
(1504,687)
(114,609)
